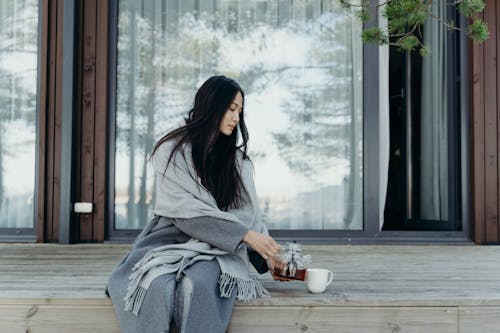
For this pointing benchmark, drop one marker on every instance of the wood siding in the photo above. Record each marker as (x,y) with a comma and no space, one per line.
(485,89)
(89,174)
(49,139)
(91,117)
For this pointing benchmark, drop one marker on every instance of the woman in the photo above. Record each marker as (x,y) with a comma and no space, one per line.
(190,263)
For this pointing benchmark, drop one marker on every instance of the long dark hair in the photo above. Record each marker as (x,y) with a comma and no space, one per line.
(213,154)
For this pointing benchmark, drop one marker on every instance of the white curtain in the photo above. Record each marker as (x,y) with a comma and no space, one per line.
(434,128)
(384,133)
(18,88)
(300,64)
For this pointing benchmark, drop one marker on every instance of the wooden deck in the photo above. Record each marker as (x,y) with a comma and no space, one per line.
(59,288)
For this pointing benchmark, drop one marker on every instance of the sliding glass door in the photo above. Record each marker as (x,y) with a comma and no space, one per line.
(424,168)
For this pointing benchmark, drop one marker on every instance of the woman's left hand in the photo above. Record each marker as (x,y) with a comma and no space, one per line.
(265,245)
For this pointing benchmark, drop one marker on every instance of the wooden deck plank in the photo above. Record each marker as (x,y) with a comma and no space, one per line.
(363,275)
(271,319)
(479,319)
(345,320)
(57,319)
(54,288)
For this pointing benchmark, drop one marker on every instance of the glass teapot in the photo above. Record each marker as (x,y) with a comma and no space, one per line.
(291,264)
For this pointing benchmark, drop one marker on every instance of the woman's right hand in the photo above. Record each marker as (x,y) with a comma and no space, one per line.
(275,265)
(266,246)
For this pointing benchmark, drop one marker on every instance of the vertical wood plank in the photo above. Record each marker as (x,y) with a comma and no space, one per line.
(478,140)
(42,120)
(50,120)
(101,123)
(57,121)
(78,114)
(490,126)
(50,200)
(88,116)
(497,37)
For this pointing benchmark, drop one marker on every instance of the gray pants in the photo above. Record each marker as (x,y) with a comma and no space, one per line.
(191,305)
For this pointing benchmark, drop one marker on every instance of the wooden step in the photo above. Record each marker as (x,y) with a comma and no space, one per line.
(59,288)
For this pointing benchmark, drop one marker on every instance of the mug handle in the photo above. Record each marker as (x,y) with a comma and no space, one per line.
(330,278)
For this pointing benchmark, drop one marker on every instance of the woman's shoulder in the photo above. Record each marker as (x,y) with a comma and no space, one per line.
(163,152)
(166,147)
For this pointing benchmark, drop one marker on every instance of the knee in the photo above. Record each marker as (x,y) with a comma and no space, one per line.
(185,286)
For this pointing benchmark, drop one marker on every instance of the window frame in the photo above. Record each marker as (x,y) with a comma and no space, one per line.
(371,230)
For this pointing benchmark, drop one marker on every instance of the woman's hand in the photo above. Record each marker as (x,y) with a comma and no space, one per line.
(264,245)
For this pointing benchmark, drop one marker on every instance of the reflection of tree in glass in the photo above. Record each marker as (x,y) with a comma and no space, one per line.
(136,96)
(18,106)
(158,70)
(18,54)
(320,108)
(166,50)
(321,131)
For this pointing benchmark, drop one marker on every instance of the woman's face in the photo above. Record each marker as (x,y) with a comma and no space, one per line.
(232,116)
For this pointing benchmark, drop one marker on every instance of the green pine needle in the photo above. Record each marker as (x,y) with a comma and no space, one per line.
(478,31)
(471,7)
(405,18)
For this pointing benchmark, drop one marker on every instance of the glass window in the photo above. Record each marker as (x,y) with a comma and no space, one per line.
(18,92)
(300,64)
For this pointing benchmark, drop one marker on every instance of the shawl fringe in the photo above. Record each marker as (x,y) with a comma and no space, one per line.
(247,289)
(134,303)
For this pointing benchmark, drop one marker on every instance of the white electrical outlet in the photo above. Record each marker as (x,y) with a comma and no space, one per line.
(83,207)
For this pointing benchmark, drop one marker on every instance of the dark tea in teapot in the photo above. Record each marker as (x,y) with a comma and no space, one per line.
(300,274)
(292,265)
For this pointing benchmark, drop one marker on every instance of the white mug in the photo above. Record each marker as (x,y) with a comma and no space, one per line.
(318,279)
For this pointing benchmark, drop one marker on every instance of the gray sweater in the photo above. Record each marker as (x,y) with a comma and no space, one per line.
(210,229)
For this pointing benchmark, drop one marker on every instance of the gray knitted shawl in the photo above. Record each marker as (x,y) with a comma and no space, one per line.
(181,195)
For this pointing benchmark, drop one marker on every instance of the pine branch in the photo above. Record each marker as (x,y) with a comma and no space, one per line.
(405,19)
